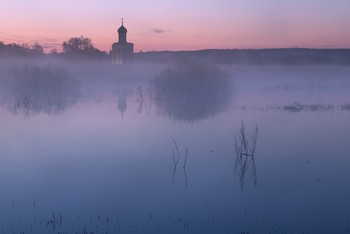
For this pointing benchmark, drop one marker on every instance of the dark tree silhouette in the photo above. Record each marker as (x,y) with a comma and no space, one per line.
(78,44)
(37,49)
(14,49)
(81,46)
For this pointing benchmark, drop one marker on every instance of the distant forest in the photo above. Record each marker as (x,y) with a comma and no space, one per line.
(283,56)
(82,47)
(74,47)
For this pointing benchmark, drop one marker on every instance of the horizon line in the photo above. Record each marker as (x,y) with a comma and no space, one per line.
(194,50)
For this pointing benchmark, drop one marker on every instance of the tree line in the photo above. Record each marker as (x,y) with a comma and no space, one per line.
(74,47)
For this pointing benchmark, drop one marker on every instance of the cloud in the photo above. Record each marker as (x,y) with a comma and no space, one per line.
(51,39)
(47,43)
(159,31)
(13,38)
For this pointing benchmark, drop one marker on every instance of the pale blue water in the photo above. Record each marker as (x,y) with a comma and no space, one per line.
(96,154)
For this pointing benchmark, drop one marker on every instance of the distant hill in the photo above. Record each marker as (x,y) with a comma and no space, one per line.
(292,56)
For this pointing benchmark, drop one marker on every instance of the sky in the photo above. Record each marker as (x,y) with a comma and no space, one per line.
(156,25)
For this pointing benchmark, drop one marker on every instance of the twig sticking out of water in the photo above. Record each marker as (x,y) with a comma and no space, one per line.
(245,150)
(254,138)
(178,151)
(184,167)
(175,161)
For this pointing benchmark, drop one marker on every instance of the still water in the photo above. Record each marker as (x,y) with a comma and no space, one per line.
(175,149)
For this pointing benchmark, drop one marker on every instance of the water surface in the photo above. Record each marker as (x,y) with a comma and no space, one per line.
(151,149)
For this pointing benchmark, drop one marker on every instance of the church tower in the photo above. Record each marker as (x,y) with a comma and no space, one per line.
(122,51)
(122,34)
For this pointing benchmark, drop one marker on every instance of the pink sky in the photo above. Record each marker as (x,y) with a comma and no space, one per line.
(181,24)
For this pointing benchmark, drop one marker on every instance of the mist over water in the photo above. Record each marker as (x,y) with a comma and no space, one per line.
(32,89)
(174,147)
(190,92)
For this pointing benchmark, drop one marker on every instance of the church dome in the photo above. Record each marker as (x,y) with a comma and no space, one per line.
(122,29)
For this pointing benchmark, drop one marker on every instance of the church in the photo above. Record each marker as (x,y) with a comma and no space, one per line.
(122,51)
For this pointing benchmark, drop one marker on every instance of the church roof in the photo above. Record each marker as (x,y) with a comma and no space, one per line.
(122,29)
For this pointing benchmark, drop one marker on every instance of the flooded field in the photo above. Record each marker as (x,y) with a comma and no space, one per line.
(180,148)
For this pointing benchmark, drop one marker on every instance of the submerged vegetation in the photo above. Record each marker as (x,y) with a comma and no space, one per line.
(297,107)
(32,89)
(190,92)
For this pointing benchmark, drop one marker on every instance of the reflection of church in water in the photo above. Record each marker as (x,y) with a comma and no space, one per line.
(122,51)
(122,104)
